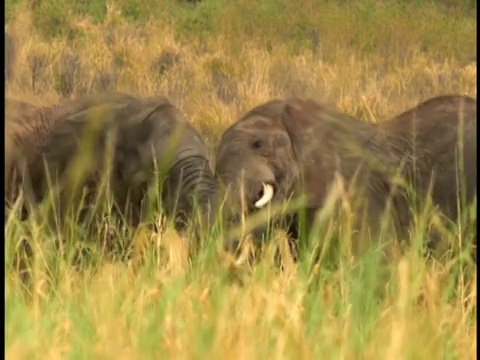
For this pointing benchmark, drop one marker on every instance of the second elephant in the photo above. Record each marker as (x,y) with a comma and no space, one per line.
(150,140)
(284,149)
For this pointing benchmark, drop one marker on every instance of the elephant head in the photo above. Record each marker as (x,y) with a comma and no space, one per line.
(279,151)
(256,158)
(164,143)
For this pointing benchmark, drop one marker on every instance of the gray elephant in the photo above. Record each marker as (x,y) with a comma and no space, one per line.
(27,127)
(284,149)
(144,135)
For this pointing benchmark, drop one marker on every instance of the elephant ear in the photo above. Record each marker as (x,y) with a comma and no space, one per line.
(149,119)
(305,122)
(90,122)
(301,118)
(82,131)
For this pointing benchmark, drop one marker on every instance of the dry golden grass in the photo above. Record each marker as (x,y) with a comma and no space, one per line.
(214,86)
(170,308)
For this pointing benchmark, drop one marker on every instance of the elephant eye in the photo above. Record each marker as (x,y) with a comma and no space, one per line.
(257,144)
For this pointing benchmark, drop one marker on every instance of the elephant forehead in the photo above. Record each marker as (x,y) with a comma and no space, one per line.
(246,129)
(243,136)
(258,122)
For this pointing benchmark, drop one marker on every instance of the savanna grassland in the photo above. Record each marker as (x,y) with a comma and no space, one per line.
(216,59)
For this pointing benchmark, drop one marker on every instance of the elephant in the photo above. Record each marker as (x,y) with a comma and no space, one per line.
(146,134)
(27,127)
(288,148)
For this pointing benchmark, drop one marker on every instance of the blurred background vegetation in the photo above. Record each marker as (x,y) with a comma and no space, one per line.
(315,24)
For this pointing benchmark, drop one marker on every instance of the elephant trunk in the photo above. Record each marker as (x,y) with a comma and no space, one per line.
(190,187)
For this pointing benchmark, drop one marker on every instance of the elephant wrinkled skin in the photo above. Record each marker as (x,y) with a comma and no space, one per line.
(145,133)
(285,148)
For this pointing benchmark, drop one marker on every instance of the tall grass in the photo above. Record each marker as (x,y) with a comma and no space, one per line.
(216,59)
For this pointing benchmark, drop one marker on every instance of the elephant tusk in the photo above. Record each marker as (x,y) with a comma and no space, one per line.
(266,197)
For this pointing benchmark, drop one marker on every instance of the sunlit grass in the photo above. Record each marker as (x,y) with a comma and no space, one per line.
(158,303)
